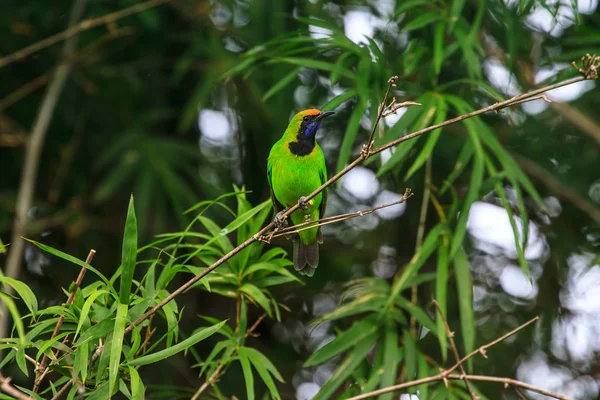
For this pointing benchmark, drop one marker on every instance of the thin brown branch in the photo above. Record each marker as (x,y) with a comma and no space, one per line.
(381,111)
(32,157)
(43,369)
(24,90)
(481,378)
(9,389)
(533,95)
(482,350)
(76,29)
(445,374)
(334,218)
(362,156)
(450,335)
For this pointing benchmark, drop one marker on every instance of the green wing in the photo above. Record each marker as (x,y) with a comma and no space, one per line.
(323,176)
(277,206)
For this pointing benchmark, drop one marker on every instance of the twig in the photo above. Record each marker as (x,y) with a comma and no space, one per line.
(76,29)
(444,375)
(7,388)
(42,370)
(362,156)
(381,110)
(450,335)
(213,377)
(334,218)
(32,157)
(482,350)
(482,378)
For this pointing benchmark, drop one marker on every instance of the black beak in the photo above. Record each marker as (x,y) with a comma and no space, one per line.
(324,115)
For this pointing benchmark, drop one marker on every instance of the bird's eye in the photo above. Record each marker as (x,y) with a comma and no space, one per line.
(306,118)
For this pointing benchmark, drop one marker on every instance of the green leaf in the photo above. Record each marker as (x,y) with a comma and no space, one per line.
(183,345)
(71,259)
(283,82)
(248,378)
(117,345)
(429,246)
(339,99)
(438,47)
(416,311)
(455,12)
(99,330)
(350,134)
(81,364)
(264,367)
(344,341)
(137,386)
(24,292)
(465,300)
(440,116)
(347,367)
(410,355)
(14,312)
(421,21)
(86,308)
(403,6)
(441,290)
(22,361)
(220,235)
(128,257)
(462,161)
(391,358)
(256,295)
(242,219)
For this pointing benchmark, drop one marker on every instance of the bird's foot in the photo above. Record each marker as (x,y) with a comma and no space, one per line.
(280,220)
(303,204)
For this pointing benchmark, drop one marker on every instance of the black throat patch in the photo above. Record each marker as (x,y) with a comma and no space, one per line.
(304,144)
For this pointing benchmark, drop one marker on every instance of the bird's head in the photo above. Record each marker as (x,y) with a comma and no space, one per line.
(307,122)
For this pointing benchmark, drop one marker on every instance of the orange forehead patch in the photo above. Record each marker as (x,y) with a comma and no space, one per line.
(312,111)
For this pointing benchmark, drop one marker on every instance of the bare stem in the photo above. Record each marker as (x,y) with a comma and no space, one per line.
(481,378)
(450,335)
(9,389)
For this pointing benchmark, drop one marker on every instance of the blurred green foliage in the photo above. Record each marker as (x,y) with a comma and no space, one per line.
(128,121)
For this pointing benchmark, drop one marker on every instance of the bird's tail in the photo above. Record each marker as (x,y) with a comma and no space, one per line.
(306,257)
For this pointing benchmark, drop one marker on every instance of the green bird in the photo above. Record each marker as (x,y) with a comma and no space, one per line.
(296,167)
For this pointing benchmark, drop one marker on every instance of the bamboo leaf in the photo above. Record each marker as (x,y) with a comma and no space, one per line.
(128,257)
(181,346)
(116,346)
(421,21)
(350,134)
(71,259)
(465,300)
(347,367)
(344,341)
(24,292)
(283,82)
(248,377)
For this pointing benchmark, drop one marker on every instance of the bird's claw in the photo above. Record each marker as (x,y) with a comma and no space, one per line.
(280,220)
(302,203)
